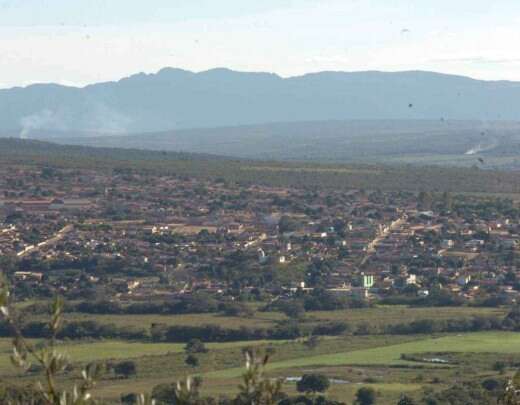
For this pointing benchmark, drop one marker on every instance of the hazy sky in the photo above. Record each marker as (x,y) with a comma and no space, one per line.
(84,41)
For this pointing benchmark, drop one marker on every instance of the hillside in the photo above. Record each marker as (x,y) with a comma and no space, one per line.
(457,143)
(16,152)
(178,99)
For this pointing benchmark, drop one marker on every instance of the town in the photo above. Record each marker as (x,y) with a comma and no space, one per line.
(171,265)
(259,202)
(128,236)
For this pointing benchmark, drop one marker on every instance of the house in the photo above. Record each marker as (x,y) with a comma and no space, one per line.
(411,279)
(447,244)
(367,280)
(28,276)
(262,258)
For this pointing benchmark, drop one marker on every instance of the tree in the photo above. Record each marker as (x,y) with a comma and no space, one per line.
(255,388)
(192,361)
(365,396)
(125,369)
(313,383)
(195,346)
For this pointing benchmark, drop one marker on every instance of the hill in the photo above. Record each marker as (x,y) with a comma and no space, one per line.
(458,143)
(16,153)
(178,99)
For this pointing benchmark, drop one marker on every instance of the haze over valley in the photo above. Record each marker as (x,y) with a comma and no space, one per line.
(412,117)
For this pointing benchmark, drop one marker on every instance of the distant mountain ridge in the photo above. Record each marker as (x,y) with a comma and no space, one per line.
(179,99)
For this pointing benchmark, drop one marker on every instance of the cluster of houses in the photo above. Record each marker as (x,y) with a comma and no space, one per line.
(140,236)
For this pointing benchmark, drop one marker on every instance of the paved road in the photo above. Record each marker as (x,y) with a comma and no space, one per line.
(371,247)
(47,242)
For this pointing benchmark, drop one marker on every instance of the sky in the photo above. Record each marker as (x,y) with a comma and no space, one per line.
(77,42)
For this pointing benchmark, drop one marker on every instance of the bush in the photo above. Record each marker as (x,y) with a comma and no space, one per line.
(164,393)
(405,400)
(499,366)
(129,399)
(192,361)
(237,309)
(195,346)
(313,383)
(332,328)
(312,342)
(293,309)
(125,369)
(491,384)
(365,396)
(323,300)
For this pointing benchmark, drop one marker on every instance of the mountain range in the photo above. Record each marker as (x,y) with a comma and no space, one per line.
(174,99)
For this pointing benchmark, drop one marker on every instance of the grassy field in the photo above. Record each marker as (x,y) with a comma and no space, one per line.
(359,360)
(479,342)
(154,370)
(379,316)
(260,320)
(87,351)
(356,360)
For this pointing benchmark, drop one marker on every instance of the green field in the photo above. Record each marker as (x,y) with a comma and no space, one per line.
(378,316)
(478,342)
(356,359)
(374,357)
(167,368)
(87,351)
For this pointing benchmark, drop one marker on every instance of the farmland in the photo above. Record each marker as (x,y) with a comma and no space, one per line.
(378,316)
(390,355)
(375,361)
(352,361)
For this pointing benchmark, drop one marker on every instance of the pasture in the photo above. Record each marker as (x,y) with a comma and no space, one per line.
(354,361)
(373,360)
(390,355)
(377,316)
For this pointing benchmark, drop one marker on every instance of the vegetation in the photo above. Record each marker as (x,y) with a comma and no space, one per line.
(307,175)
(125,369)
(255,388)
(313,383)
(365,396)
(394,344)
